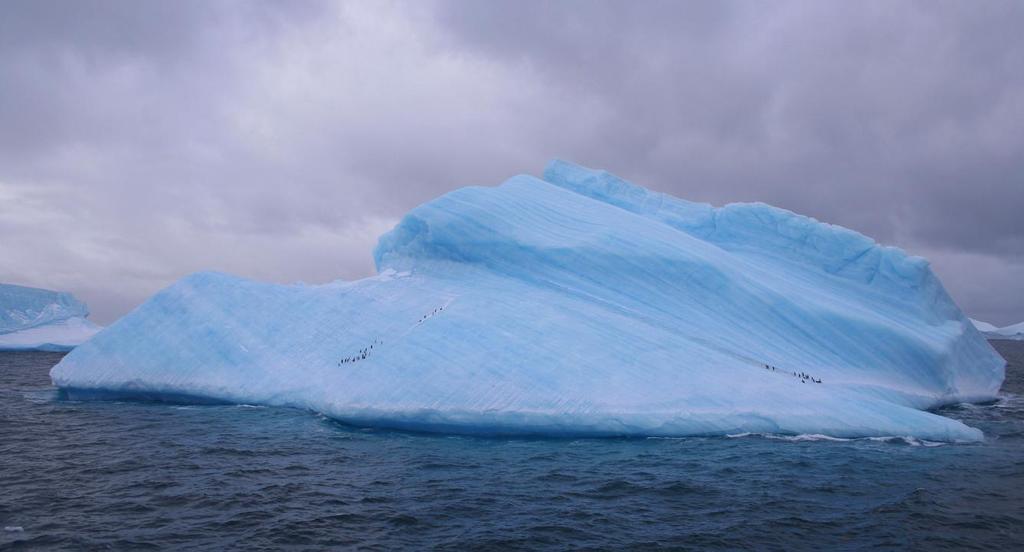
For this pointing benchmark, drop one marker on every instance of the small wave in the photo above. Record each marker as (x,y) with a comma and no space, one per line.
(249,406)
(794,438)
(14,529)
(907,440)
(806,437)
(1009,400)
(41,396)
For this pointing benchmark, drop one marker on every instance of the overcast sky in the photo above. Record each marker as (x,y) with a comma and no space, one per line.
(142,141)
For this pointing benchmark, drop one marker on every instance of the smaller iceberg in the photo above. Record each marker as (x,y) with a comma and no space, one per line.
(984,327)
(991,331)
(1015,331)
(33,319)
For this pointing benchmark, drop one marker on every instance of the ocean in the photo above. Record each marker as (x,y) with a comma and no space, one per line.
(137,476)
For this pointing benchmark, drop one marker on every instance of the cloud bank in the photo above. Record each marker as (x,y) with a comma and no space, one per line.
(276,140)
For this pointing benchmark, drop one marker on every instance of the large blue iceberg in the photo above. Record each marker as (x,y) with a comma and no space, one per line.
(576,304)
(33,319)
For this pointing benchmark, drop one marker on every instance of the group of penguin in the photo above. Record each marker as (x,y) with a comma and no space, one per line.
(803,377)
(429,314)
(363,353)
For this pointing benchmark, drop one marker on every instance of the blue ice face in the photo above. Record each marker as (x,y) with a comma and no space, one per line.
(577,304)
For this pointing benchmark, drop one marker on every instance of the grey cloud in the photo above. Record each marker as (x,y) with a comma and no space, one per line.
(901,120)
(141,141)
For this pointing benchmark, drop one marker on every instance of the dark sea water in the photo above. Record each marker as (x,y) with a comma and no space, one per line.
(132,476)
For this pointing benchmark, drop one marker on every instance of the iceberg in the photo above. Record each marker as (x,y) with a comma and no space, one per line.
(42,320)
(1013,331)
(573,304)
(984,327)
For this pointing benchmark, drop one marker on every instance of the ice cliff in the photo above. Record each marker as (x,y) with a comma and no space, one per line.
(576,304)
(40,319)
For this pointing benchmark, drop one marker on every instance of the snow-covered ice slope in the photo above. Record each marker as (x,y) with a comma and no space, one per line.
(40,319)
(984,327)
(577,304)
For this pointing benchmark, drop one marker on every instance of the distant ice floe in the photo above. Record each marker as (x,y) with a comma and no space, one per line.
(1013,331)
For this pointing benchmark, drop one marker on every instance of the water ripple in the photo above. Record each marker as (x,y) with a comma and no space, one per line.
(157,476)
